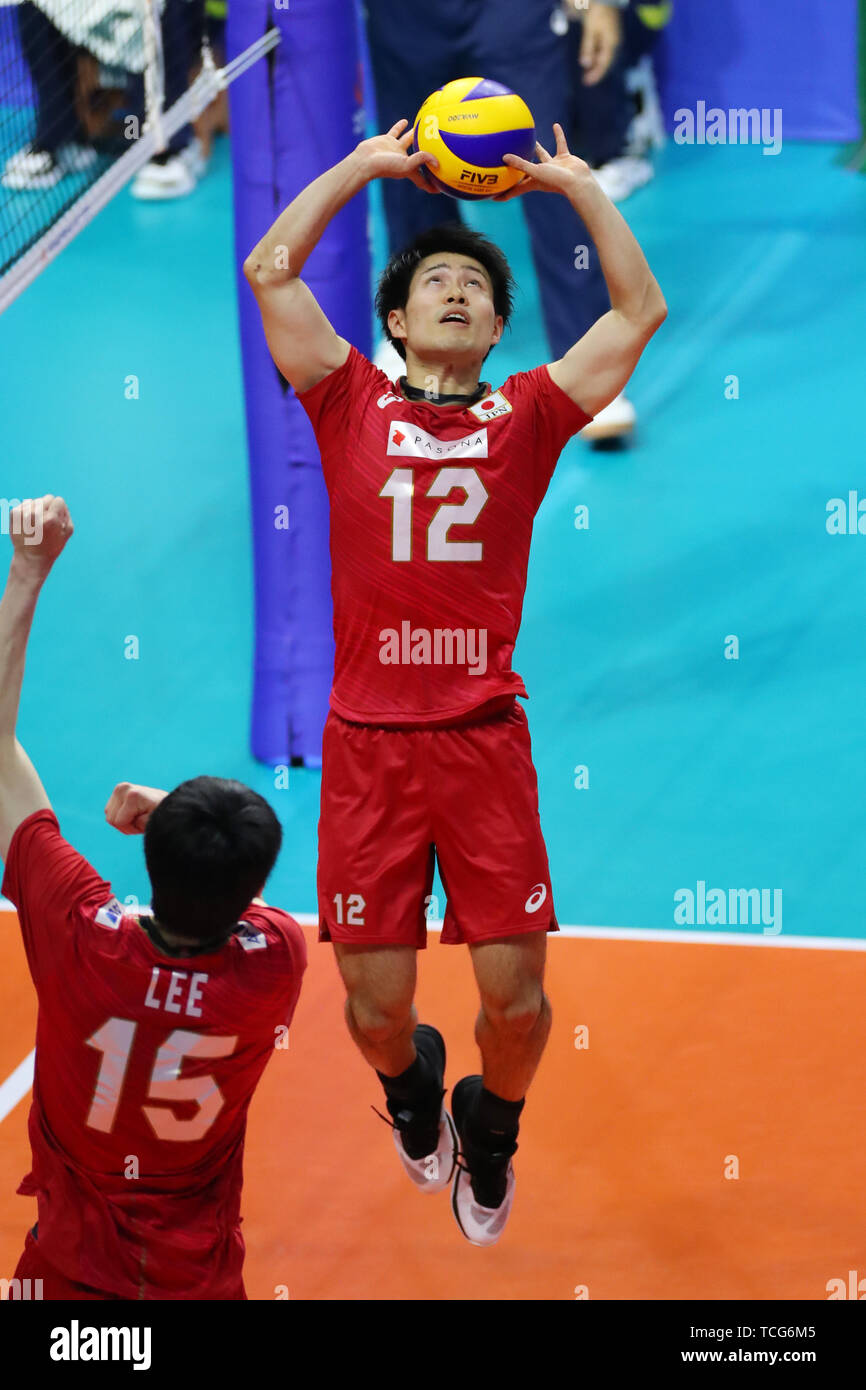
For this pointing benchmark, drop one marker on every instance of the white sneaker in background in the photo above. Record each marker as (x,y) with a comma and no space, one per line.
(32,167)
(389,361)
(647,129)
(193,157)
(620,177)
(74,158)
(615,421)
(155,182)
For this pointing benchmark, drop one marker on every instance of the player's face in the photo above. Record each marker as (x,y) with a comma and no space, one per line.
(449,311)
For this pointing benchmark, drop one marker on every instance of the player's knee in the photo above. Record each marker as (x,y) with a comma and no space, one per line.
(380,1022)
(520,1014)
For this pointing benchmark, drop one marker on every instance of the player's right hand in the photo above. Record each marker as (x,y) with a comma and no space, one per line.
(130,807)
(387,157)
(39,528)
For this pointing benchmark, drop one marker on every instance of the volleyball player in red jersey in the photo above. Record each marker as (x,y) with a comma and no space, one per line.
(433,488)
(153,1030)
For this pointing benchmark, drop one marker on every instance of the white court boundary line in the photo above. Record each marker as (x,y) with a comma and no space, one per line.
(674,935)
(16,1086)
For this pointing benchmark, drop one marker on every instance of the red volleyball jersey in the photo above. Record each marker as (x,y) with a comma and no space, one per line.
(145,1067)
(431,519)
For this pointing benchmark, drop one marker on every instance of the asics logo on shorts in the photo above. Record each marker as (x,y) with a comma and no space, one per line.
(536,897)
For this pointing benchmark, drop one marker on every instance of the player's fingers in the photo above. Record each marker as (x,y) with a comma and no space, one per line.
(516,162)
(543,156)
(422,157)
(114,802)
(420,181)
(588,47)
(561,142)
(526,185)
(397,127)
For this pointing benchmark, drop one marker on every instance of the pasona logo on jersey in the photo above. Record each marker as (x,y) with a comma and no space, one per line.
(409,441)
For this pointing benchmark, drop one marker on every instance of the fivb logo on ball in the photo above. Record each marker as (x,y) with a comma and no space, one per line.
(469,125)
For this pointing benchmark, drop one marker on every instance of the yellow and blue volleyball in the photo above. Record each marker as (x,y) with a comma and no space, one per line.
(469,125)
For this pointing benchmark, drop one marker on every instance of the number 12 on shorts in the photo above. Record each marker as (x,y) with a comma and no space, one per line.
(354,910)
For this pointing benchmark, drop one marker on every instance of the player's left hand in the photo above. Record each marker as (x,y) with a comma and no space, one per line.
(39,529)
(553,173)
(130,807)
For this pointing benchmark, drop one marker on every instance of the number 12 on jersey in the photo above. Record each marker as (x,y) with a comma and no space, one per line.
(400,487)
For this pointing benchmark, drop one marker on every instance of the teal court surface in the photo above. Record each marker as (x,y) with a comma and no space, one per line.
(696,771)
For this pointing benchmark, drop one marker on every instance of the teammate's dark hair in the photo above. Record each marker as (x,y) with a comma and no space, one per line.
(209,848)
(393,288)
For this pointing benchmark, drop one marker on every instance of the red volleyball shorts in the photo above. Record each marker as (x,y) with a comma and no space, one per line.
(394,801)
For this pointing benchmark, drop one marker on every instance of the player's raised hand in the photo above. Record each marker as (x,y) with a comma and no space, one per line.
(387,157)
(555,173)
(39,528)
(130,807)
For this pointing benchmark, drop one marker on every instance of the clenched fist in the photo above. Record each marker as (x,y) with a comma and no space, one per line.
(39,529)
(130,807)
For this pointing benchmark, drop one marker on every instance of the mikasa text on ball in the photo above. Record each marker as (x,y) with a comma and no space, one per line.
(469,125)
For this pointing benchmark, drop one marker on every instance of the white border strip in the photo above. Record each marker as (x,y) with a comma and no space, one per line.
(16,1086)
(672,935)
(209,82)
(710,938)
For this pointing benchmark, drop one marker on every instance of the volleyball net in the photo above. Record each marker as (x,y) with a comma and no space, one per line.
(90,92)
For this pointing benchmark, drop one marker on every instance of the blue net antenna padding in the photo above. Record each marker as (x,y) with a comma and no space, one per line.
(293,116)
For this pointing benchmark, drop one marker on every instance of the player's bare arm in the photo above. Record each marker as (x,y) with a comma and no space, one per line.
(39,529)
(596,369)
(302,341)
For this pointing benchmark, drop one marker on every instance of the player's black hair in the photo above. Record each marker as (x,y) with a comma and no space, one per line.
(209,848)
(393,288)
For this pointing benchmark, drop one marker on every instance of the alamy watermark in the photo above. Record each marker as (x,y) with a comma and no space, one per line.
(27,523)
(729,907)
(737,126)
(20,1290)
(438,646)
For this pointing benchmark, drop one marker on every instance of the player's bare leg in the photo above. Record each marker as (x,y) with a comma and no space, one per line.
(409,1057)
(513,1024)
(380,1013)
(511,1031)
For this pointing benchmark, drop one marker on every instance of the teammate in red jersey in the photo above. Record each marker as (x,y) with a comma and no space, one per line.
(153,1030)
(433,489)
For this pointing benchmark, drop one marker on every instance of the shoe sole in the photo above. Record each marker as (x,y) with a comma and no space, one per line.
(21,183)
(508,1202)
(606,432)
(152,193)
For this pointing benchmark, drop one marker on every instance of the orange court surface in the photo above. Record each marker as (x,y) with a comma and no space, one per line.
(695,1131)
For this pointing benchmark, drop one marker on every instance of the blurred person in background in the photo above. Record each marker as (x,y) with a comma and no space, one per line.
(59,145)
(177,169)
(527,45)
(618,117)
(71,48)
